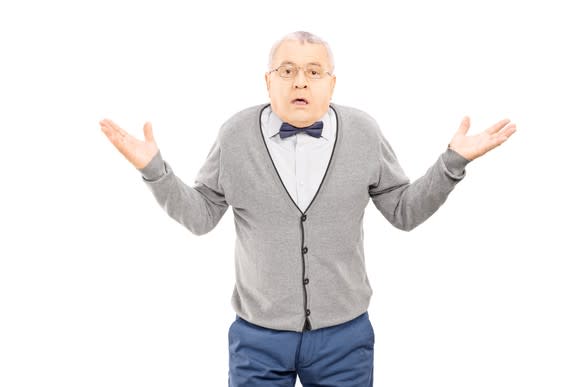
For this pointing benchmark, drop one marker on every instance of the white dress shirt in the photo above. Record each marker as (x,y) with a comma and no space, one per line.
(301,160)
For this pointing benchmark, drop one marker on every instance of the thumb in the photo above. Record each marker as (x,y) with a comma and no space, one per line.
(464,127)
(148,132)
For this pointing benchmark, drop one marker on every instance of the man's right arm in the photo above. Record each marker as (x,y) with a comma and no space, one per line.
(199,207)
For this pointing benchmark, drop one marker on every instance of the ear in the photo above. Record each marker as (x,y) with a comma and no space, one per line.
(267,79)
(332,83)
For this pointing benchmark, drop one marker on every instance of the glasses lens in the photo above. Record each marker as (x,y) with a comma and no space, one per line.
(314,72)
(287,71)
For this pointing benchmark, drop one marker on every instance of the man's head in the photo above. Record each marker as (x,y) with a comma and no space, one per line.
(300,97)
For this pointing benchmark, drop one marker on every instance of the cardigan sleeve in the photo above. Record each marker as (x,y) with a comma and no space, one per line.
(404,204)
(198,207)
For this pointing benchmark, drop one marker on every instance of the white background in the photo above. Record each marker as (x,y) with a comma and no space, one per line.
(99,287)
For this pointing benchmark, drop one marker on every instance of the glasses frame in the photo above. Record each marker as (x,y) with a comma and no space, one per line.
(298,68)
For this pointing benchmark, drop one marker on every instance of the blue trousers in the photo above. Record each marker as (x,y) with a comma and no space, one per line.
(336,356)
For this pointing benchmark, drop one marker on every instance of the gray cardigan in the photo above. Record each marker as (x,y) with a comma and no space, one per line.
(301,270)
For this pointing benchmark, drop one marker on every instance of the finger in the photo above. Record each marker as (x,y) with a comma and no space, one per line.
(108,130)
(148,132)
(122,140)
(496,127)
(124,136)
(114,137)
(511,128)
(106,126)
(464,126)
(115,127)
(500,137)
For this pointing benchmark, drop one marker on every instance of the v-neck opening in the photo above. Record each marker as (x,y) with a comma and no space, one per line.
(328,166)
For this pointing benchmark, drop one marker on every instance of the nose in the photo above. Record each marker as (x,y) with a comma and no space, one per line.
(300,81)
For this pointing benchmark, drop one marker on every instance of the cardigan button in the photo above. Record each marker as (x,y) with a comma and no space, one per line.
(307,326)
(308,312)
(303,218)
(306,281)
(304,250)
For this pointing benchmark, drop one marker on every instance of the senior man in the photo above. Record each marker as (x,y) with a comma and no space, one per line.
(298,173)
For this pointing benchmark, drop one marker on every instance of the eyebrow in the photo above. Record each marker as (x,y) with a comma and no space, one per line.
(292,63)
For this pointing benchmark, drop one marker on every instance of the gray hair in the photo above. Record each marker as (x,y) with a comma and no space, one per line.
(302,37)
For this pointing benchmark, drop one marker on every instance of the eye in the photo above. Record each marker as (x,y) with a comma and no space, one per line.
(314,72)
(287,71)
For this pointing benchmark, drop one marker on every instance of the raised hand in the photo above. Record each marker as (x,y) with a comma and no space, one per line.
(471,147)
(138,152)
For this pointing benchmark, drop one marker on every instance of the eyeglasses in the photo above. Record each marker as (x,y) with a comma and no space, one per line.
(290,70)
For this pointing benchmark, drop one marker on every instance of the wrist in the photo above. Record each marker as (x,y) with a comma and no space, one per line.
(154,169)
(454,161)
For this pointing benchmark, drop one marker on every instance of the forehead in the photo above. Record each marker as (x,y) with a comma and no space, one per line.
(300,53)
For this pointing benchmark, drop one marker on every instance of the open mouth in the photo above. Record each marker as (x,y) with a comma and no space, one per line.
(300,101)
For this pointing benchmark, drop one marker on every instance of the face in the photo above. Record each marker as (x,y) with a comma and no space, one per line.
(285,92)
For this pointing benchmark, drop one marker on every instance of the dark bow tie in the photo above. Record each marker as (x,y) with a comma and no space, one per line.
(287,130)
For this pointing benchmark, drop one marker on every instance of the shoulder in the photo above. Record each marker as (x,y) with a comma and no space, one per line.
(358,119)
(248,116)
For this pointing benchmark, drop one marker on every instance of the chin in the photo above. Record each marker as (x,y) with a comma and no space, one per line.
(302,115)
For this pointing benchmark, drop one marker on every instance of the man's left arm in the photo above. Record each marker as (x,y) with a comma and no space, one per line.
(406,205)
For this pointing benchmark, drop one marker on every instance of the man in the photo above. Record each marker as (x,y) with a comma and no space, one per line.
(298,173)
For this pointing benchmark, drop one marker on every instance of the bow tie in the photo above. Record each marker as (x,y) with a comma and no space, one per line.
(287,130)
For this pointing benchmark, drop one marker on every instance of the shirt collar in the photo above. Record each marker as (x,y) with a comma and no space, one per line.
(272,123)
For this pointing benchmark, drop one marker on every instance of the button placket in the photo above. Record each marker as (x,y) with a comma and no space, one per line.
(305,279)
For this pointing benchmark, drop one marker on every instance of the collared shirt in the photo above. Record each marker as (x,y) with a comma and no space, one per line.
(301,160)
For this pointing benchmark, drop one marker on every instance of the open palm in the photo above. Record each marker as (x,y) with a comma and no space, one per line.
(471,147)
(138,152)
